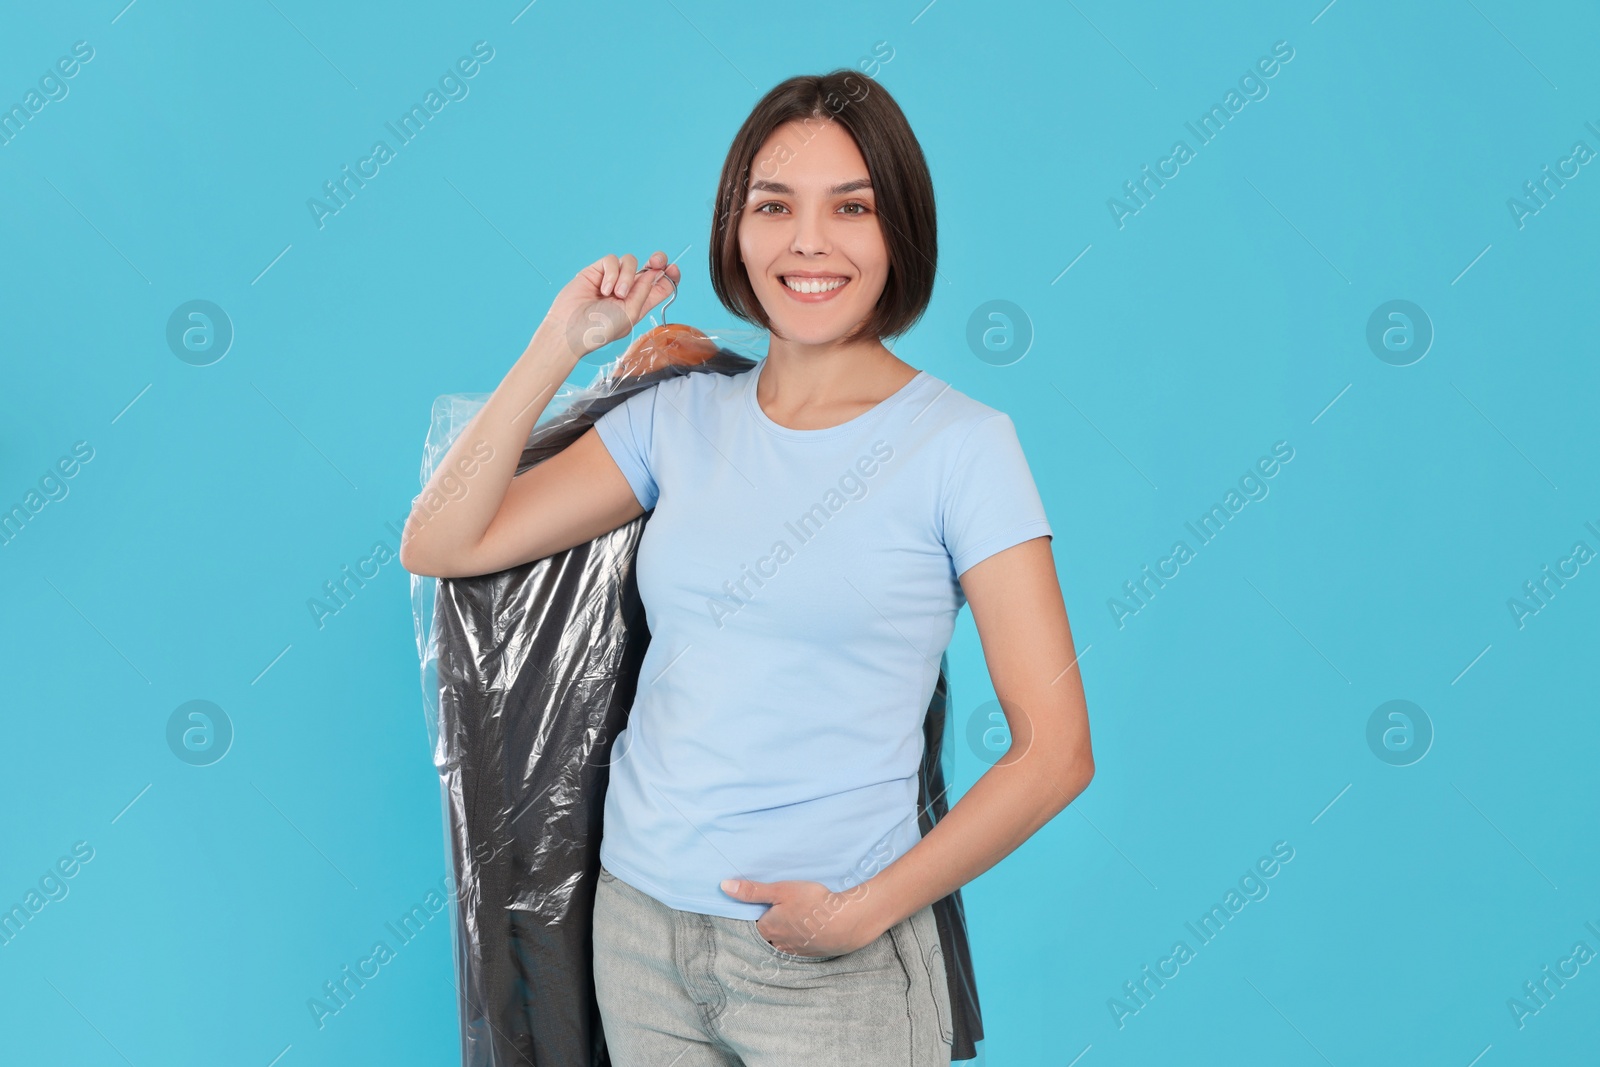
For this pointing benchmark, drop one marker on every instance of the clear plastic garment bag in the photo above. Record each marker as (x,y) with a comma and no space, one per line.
(528,675)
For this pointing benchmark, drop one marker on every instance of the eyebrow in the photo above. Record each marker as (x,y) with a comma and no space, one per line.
(784,190)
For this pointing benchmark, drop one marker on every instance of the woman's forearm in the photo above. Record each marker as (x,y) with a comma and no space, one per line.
(1006,806)
(449,518)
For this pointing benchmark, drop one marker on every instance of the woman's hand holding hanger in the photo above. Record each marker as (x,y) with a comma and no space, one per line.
(607,299)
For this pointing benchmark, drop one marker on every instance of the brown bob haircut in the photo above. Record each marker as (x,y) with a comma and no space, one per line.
(901,184)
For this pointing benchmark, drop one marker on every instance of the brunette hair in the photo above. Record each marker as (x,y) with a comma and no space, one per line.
(901,184)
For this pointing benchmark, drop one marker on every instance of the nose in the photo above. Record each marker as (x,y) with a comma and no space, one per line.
(810,237)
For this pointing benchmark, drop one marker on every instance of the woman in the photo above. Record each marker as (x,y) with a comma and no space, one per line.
(818,521)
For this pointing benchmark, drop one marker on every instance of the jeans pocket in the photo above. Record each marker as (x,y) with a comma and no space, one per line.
(773,950)
(938,981)
(605,875)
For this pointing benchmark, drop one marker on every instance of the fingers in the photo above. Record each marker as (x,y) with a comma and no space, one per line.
(625,286)
(653,284)
(649,290)
(616,275)
(630,266)
(619,275)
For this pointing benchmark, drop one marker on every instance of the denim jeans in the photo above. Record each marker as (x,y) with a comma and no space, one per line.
(683,989)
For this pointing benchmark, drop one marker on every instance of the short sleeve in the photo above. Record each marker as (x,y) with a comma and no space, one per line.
(628,432)
(990,501)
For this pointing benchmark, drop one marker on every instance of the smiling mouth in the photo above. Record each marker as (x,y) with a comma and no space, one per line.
(813,285)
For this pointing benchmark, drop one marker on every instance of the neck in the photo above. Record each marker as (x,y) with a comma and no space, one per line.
(824,384)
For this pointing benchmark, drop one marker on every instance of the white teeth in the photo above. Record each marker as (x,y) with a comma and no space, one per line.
(813,285)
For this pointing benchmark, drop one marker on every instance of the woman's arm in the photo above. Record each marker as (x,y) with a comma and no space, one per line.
(1022,624)
(475,517)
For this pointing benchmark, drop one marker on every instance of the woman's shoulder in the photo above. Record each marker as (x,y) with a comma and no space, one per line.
(700,381)
(955,414)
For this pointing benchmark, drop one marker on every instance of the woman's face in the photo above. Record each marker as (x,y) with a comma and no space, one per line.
(810,220)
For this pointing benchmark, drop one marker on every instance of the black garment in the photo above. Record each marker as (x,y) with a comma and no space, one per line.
(537,669)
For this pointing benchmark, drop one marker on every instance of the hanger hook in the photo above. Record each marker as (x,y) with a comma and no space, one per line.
(671,298)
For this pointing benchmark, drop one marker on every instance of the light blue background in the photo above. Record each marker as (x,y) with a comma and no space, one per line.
(1230,313)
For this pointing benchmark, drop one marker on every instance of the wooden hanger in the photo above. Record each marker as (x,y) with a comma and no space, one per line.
(665,345)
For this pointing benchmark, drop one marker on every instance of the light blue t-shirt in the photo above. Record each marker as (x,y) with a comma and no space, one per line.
(800,587)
